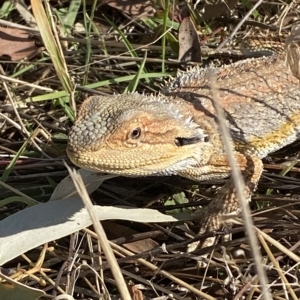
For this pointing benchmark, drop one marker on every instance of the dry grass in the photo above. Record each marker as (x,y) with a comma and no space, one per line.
(104,50)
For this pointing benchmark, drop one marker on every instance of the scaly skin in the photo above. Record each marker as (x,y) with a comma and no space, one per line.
(177,133)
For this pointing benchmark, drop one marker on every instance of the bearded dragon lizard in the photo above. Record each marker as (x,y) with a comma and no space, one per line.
(177,132)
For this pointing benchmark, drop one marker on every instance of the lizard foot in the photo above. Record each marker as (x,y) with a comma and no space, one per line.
(214,217)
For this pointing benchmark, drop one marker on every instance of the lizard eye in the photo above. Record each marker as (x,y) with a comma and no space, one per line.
(135,133)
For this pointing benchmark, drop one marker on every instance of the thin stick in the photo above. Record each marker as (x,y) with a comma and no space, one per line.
(111,259)
(240,188)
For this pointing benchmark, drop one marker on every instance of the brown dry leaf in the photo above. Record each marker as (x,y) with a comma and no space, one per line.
(132,8)
(220,8)
(189,44)
(135,293)
(114,230)
(16,44)
(141,246)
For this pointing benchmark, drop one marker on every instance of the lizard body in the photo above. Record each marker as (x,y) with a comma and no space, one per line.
(177,132)
(260,97)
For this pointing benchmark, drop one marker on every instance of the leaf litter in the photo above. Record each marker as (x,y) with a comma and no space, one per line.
(161,244)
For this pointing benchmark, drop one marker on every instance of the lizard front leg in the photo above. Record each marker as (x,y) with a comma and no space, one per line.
(225,202)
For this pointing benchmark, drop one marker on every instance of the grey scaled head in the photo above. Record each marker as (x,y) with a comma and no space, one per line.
(132,134)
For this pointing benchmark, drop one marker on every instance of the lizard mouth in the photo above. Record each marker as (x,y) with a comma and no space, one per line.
(71,154)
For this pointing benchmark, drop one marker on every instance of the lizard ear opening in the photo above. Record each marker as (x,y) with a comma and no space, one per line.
(179,141)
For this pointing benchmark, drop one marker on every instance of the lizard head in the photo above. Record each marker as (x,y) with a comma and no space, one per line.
(135,135)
